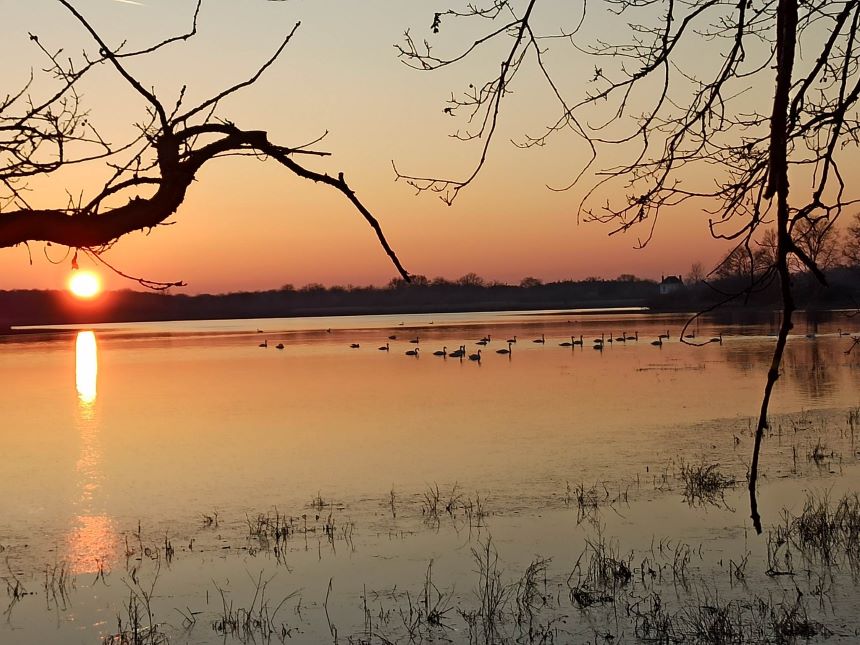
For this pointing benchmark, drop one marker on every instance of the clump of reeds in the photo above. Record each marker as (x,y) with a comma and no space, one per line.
(169,551)
(430,503)
(138,625)
(668,557)
(790,623)
(256,622)
(15,590)
(703,483)
(506,611)
(780,561)
(392,502)
(827,530)
(485,621)
(710,620)
(133,631)
(853,420)
(714,622)
(652,622)
(59,581)
(530,592)
(435,504)
(428,611)
(589,499)
(801,421)
(819,453)
(737,570)
(318,503)
(270,526)
(492,593)
(435,604)
(599,573)
(586,498)
(454,501)
(475,510)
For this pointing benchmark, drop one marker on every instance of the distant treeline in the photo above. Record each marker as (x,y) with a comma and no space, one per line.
(469,293)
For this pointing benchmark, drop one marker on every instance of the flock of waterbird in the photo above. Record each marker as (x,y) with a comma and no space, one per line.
(461,352)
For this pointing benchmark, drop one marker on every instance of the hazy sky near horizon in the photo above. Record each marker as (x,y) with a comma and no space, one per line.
(249,224)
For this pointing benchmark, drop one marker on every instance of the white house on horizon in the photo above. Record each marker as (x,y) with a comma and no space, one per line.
(670,284)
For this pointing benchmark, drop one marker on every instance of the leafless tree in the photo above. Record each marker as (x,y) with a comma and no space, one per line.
(741,262)
(774,97)
(851,246)
(147,175)
(471,279)
(529,282)
(696,274)
(819,239)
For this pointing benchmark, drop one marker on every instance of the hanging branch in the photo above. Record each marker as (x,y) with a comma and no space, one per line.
(152,171)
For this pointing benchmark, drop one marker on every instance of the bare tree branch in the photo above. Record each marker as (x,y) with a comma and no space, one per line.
(718,133)
(152,170)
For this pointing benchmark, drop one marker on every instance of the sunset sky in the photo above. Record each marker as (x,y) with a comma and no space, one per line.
(250,225)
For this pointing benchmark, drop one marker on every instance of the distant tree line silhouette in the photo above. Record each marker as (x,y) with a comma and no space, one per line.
(470,292)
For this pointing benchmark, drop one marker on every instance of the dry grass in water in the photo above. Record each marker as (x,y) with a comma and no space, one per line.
(256,622)
(137,625)
(827,531)
(704,483)
(600,572)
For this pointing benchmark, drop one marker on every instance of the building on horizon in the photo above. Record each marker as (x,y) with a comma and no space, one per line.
(670,284)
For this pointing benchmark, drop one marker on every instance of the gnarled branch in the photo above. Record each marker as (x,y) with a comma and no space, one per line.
(154,169)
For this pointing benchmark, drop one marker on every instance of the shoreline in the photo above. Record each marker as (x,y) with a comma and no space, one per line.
(536,312)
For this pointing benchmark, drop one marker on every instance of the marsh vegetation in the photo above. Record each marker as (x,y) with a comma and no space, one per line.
(437,501)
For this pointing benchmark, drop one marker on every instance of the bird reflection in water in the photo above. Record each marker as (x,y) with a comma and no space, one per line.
(91,540)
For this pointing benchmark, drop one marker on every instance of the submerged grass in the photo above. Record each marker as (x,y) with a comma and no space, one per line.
(827,530)
(525,610)
(704,483)
(259,620)
(136,624)
(599,574)
(58,585)
(659,597)
(15,590)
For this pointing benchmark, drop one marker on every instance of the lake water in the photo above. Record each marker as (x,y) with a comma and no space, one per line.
(150,460)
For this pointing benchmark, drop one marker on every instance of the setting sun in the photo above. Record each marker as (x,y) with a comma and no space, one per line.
(85,284)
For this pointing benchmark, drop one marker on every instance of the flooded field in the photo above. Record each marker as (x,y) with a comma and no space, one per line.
(179,483)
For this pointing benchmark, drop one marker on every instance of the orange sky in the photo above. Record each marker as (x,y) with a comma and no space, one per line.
(250,225)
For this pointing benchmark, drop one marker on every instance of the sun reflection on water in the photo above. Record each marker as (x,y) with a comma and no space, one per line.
(91,540)
(86,367)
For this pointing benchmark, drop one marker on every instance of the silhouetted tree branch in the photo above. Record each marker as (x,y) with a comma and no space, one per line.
(722,133)
(851,247)
(151,172)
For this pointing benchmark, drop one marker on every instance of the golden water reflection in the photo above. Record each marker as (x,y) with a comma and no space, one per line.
(91,540)
(86,367)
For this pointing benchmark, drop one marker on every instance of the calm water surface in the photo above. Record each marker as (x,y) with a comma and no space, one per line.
(157,425)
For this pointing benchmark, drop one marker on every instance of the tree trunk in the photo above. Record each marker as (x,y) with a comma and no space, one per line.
(786,27)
